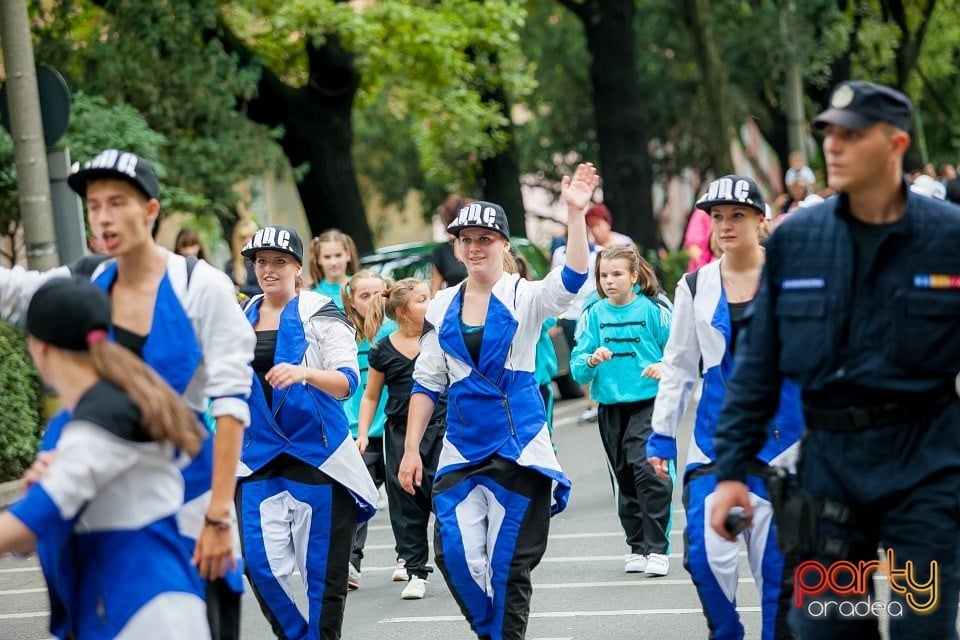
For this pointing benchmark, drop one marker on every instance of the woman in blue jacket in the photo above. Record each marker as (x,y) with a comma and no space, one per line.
(498,480)
(711,304)
(103,510)
(303,486)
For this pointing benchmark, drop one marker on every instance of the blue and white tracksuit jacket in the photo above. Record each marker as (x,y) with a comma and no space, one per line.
(286,522)
(702,329)
(307,423)
(199,343)
(105,520)
(495,408)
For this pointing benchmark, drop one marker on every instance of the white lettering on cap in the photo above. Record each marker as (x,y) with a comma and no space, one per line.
(741,191)
(490,216)
(473,213)
(721,189)
(283,238)
(127,163)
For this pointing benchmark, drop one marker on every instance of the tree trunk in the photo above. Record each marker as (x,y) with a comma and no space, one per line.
(317,131)
(714,77)
(624,161)
(500,178)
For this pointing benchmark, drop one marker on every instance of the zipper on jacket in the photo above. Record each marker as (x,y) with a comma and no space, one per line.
(323,431)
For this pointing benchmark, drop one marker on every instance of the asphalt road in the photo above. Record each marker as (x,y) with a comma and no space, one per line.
(580,590)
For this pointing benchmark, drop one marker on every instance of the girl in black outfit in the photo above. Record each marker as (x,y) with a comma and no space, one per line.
(391,363)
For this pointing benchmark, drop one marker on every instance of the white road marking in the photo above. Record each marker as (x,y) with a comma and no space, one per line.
(571,614)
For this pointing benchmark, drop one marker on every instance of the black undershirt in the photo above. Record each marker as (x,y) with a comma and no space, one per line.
(129,340)
(737,312)
(263,356)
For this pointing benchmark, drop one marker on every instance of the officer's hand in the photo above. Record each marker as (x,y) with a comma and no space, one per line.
(729,494)
(411,471)
(660,465)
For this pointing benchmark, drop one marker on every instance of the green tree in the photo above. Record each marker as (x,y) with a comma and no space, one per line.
(156,58)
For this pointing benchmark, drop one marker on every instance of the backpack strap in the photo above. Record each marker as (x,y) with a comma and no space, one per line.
(691,279)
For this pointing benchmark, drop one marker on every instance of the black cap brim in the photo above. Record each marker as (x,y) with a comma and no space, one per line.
(843,118)
(455,230)
(78,181)
(251,254)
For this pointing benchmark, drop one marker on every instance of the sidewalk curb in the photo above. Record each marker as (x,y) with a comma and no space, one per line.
(10,492)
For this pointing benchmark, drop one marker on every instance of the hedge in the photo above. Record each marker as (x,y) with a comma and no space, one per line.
(21,405)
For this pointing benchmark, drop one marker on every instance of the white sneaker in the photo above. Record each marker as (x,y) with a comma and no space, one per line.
(658,564)
(589,415)
(415,590)
(634,563)
(353,577)
(400,573)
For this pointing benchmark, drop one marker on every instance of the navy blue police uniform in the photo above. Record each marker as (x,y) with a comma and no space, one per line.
(866,319)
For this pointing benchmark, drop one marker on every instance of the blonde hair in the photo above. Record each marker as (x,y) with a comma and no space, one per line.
(332,235)
(646,276)
(164,416)
(244,227)
(369,325)
(396,297)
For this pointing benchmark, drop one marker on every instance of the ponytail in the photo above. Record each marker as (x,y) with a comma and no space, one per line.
(164,416)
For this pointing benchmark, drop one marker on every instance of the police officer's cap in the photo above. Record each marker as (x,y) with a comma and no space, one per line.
(480,215)
(64,311)
(858,105)
(115,165)
(733,189)
(274,238)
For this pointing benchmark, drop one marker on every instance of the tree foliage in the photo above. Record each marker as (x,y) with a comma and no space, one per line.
(155,57)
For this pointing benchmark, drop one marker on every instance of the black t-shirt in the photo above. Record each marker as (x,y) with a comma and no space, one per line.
(397,370)
(451,270)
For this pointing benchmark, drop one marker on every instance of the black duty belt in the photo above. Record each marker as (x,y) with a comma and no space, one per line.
(875,416)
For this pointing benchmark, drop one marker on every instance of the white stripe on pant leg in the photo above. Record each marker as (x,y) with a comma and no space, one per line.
(756,537)
(495,515)
(722,555)
(275,520)
(302,518)
(471,516)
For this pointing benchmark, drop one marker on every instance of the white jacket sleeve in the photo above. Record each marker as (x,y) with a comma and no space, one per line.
(681,359)
(227,341)
(332,345)
(17,286)
(547,297)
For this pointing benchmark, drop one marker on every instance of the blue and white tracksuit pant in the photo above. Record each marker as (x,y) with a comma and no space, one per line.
(713,562)
(492,526)
(293,517)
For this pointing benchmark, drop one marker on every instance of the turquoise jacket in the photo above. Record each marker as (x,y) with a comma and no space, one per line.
(351,406)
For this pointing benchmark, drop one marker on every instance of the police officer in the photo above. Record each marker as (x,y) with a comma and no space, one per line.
(859,303)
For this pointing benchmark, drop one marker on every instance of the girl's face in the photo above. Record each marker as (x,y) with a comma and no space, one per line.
(482,252)
(737,227)
(617,280)
(277,272)
(416,308)
(362,292)
(332,257)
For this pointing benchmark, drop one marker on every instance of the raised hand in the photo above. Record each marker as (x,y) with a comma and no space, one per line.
(577,191)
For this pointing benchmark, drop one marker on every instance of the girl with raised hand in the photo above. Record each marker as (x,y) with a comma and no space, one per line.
(360,294)
(392,362)
(102,512)
(333,259)
(498,480)
(619,345)
(303,487)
